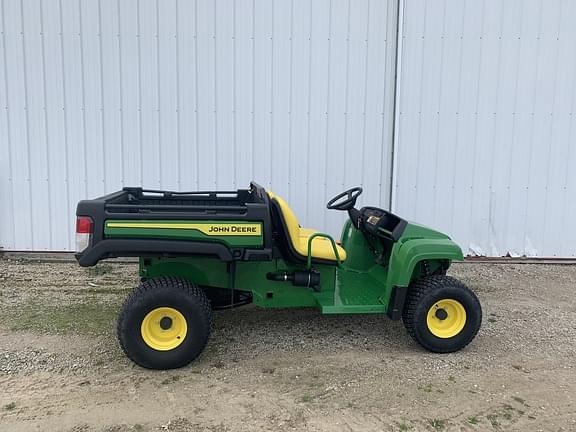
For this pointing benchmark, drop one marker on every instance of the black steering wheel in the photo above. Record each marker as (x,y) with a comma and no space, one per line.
(351,195)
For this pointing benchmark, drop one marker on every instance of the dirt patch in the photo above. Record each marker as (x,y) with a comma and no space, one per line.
(61,367)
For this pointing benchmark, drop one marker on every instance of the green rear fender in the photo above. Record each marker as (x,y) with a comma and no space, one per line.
(203,271)
(406,255)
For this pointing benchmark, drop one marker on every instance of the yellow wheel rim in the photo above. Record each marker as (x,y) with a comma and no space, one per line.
(446,318)
(164,329)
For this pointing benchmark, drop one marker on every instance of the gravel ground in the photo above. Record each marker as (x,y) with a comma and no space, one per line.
(61,367)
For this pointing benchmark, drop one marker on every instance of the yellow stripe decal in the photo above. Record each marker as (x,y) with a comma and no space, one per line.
(211,229)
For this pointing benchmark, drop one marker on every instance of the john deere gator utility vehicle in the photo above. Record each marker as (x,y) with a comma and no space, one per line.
(201,251)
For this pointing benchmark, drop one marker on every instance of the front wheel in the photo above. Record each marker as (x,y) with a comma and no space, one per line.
(165,323)
(441,313)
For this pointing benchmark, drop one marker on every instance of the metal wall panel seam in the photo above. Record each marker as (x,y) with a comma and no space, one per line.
(327,107)
(458,120)
(555,81)
(215,97)
(178,107)
(363,147)
(234,96)
(196,92)
(395,124)
(159,95)
(65,118)
(514,125)
(45,101)
(532,126)
(514,120)
(83,91)
(569,153)
(438,113)
(419,143)
(346,93)
(253,114)
(102,101)
(542,232)
(290,100)
(139,52)
(121,98)
(473,175)
(270,186)
(309,104)
(491,210)
(8,129)
(27,122)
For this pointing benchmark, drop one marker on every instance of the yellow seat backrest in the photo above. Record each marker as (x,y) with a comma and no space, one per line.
(321,248)
(289,217)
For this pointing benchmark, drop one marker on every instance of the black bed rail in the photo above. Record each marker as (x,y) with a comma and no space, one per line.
(139,200)
(163,207)
(165,193)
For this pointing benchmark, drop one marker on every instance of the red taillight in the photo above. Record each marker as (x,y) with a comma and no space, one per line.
(84,225)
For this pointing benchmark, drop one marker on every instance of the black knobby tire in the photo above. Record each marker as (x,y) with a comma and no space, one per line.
(423,294)
(172,292)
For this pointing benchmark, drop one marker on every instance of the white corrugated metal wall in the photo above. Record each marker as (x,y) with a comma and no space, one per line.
(298,95)
(486,145)
(187,95)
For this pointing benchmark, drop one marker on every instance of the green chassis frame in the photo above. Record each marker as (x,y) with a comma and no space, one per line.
(373,279)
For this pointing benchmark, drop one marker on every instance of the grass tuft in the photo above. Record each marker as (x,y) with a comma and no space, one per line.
(403,427)
(99,270)
(493,419)
(508,407)
(427,388)
(437,424)
(473,420)
(170,380)
(80,318)
(519,400)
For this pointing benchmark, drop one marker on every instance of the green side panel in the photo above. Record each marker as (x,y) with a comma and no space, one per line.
(204,271)
(414,231)
(355,292)
(251,276)
(186,230)
(359,255)
(359,282)
(419,243)
(362,284)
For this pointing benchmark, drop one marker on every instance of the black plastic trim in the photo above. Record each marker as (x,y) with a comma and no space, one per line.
(391,220)
(112,248)
(257,255)
(396,304)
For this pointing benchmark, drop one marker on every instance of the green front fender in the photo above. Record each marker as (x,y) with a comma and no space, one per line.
(406,255)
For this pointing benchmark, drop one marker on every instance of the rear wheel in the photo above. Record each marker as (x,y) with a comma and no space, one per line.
(165,323)
(441,313)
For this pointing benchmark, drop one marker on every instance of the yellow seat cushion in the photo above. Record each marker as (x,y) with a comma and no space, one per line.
(321,247)
(307,232)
